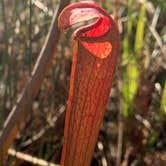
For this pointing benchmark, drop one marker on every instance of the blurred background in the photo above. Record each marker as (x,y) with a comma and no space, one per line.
(133,131)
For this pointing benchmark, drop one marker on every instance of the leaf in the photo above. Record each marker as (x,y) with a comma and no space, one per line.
(130,85)
(163,101)
(130,73)
(95,50)
(140,29)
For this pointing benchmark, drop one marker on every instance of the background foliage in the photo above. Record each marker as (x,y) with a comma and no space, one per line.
(134,127)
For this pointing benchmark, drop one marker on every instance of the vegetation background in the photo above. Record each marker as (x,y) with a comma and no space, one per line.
(133,131)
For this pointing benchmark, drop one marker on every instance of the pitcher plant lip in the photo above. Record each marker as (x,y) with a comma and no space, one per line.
(90,36)
(85,11)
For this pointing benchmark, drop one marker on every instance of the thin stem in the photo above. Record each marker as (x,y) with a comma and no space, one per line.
(116,13)
(120,88)
(30,36)
(6,59)
(30,159)
(120,126)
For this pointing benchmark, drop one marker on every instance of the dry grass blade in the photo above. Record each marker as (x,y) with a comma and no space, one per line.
(29,158)
(20,110)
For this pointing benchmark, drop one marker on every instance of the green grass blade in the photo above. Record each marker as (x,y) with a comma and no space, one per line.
(163,101)
(140,29)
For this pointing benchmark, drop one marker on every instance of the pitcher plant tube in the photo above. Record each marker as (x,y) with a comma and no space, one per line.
(95,51)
